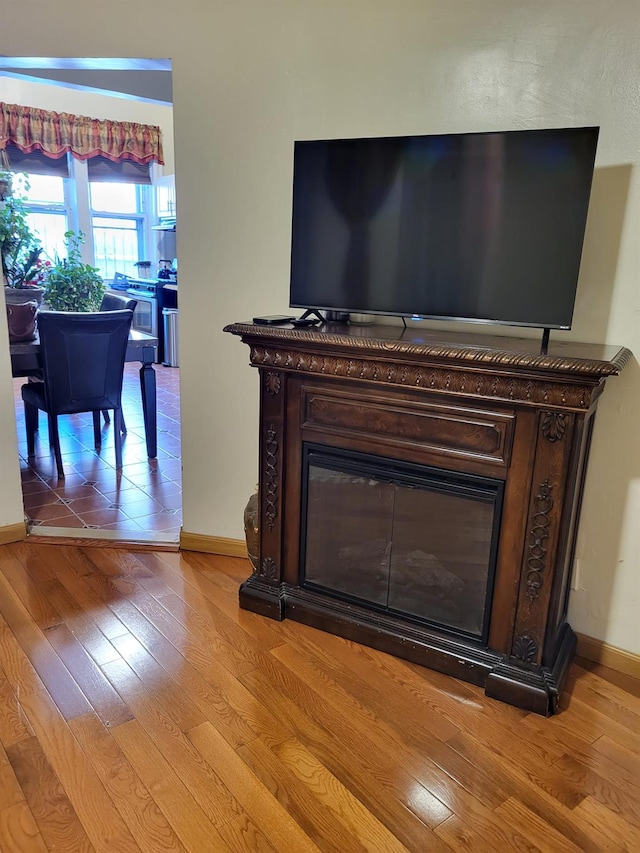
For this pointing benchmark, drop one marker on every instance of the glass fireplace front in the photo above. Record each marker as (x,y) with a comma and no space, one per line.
(406,539)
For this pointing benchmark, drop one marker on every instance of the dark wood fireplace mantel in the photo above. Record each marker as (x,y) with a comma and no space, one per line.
(476,406)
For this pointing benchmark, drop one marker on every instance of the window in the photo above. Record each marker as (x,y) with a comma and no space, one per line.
(47,214)
(117,222)
(113,215)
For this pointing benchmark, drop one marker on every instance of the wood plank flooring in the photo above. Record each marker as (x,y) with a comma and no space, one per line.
(142,710)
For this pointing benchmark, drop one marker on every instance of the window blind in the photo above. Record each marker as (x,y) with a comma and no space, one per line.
(36,163)
(125,171)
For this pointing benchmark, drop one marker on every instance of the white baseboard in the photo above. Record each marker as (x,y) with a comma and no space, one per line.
(13,533)
(213,545)
(611,656)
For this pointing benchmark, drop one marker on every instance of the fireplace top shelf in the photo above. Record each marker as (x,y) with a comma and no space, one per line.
(434,345)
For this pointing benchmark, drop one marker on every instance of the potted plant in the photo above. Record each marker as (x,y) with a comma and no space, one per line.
(19,248)
(6,184)
(72,285)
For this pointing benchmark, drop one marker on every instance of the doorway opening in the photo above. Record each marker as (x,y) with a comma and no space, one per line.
(129,236)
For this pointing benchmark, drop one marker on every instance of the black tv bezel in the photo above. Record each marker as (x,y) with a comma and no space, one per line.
(447,317)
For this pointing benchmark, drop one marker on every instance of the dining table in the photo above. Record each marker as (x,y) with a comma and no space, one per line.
(25,361)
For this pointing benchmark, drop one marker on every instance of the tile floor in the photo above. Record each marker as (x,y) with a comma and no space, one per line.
(142,502)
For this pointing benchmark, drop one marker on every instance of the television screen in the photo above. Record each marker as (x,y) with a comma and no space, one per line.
(485,227)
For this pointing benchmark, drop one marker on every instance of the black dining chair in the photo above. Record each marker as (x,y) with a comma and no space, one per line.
(83,357)
(116,302)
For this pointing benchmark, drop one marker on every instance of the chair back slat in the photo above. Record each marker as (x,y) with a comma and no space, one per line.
(117,302)
(83,357)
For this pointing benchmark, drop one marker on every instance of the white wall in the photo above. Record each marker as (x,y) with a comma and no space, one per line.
(251,77)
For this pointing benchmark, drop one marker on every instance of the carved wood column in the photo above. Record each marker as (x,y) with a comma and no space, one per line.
(548,482)
(265,582)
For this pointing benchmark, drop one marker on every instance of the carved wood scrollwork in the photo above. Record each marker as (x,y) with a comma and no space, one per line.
(554,425)
(271,450)
(538,535)
(272,382)
(525,649)
(269,569)
(487,385)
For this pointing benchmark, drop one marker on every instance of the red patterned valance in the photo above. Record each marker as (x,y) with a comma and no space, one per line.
(55,134)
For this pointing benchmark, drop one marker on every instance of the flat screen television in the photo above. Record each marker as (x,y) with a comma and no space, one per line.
(481,227)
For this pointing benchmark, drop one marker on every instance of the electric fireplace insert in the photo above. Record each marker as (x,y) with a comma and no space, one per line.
(404,539)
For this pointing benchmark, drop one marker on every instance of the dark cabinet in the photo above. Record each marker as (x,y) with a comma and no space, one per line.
(420,493)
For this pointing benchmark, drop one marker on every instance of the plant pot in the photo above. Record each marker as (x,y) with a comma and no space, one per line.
(18,295)
(22,319)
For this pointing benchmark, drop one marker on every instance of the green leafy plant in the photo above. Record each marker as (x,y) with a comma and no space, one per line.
(6,175)
(72,285)
(19,246)
(6,183)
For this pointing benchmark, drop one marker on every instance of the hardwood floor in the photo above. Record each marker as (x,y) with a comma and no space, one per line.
(141,709)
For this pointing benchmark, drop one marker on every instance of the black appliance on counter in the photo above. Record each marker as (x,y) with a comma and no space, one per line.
(153,296)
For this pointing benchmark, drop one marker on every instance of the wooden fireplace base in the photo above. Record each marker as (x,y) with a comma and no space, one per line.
(536,688)
(473,404)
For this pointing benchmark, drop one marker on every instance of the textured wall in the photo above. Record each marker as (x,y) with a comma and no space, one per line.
(251,77)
